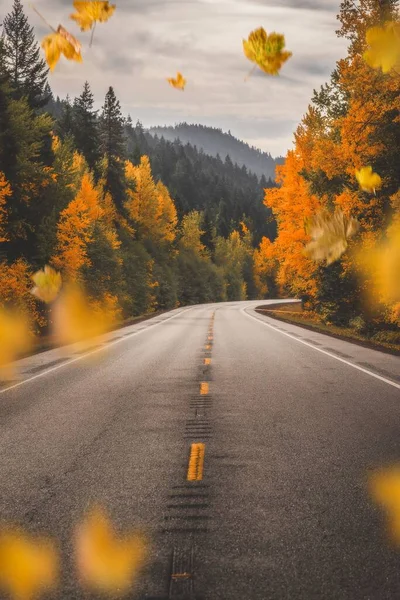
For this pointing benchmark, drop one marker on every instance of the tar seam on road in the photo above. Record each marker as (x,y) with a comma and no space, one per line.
(106,345)
(346,362)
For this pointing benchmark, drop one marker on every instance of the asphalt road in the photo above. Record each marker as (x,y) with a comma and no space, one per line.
(292,421)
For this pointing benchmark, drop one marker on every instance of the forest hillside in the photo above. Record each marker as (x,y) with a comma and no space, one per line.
(215,142)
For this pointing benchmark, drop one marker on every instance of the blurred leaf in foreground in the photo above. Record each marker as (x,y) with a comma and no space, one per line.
(106,562)
(15,339)
(383,47)
(385,490)
(47,284)
(330,233)
(267,51)
(78,319)
(28,565)
(380,265)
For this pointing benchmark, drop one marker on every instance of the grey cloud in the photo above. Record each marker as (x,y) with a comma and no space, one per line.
(148,40)
(141,6)
(323,5)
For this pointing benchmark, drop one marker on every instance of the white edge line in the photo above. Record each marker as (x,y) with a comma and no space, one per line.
(107,345)
(346,362)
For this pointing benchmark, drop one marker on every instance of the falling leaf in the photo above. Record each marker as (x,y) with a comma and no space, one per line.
(267,51)
(383,47)
(105,561)
(15,339)
(47,284)
(61,42)
(385,490)
(368,180)
(77,319)
(380,266)
(28,565)
(330,233)
(90,12)
(178,83)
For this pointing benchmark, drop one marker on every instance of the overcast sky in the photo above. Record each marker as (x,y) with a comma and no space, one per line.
(148,40)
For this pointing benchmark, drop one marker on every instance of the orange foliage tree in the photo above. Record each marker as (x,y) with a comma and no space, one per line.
(5,192)
(353,122)
(291,203)
(75,229)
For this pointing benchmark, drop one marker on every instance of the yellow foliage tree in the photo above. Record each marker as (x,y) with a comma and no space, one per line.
(191,233)
(149,204)
(264,265)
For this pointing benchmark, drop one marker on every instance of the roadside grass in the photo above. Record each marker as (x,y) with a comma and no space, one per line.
(384,341)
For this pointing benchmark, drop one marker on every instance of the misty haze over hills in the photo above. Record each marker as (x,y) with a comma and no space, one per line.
(214,141)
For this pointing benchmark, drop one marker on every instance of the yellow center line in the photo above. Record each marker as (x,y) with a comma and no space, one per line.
(196,462)
(204,388)
(210,337)
(208,346)
(207,361)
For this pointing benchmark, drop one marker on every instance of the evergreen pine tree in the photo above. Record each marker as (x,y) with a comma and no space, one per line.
(66,121)
(28,72)
(112,145)
(85,127)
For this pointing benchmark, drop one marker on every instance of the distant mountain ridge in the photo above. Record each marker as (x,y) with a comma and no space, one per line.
(215,142)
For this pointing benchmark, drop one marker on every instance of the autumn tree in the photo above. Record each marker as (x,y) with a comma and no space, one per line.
(352,123)
(5,193)
(265,268)
(191,233)
(15,291)
(232,255)
(75,230)
(149,204)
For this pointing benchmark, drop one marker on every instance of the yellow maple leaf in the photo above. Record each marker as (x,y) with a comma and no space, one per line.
(267,51)
(47,284)
(368,180)
(384,487)
(106,562)
(92,11)
(330,233)
(178,83)
(383,47)
(28,565)
(61,42)
(15,339)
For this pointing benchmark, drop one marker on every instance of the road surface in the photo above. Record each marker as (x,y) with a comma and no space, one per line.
(292,422)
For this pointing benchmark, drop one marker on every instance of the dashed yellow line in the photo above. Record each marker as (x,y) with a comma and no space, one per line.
(196,462)
(210,337)
(207,361)
(208,346)
(204,388)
